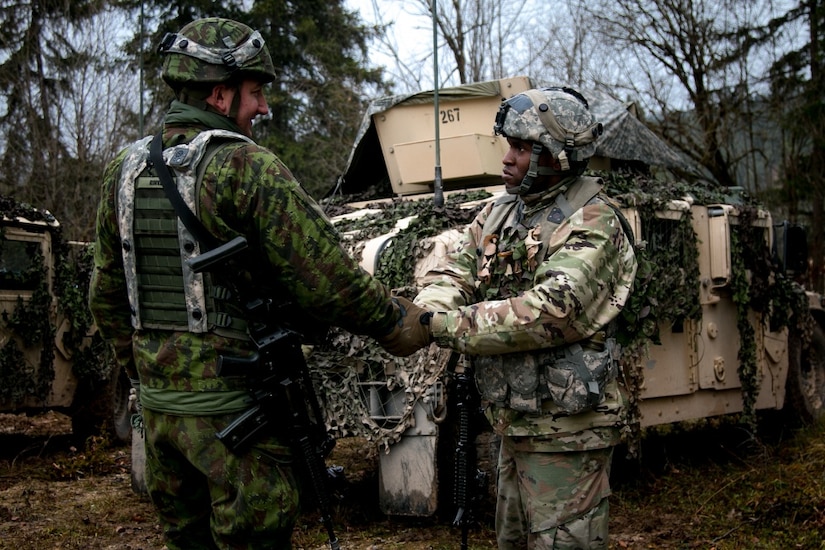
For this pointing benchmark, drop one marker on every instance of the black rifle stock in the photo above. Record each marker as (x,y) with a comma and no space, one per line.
(469,481)
(284,397)
(217,256)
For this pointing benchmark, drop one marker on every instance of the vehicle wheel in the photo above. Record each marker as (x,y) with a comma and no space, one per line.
(103,408)
(805,393)
(91,411)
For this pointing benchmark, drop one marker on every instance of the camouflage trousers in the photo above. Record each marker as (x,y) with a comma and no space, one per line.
(209,498)
(552,500)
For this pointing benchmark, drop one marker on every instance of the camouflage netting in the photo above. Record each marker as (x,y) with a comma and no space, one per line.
(368,393)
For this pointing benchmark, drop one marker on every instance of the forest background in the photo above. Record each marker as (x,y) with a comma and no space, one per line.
(736,86)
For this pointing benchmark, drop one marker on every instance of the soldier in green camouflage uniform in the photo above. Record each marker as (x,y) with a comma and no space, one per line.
(169,325)
(529,293)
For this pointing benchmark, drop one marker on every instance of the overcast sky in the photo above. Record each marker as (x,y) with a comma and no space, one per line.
(416,32)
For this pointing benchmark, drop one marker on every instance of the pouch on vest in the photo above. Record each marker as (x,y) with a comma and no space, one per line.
(576,380)
(490,378)
(523,382)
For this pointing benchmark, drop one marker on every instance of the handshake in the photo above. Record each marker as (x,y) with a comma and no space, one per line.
(411,332)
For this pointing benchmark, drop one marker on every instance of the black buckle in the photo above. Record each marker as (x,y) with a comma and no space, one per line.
(229,60)
(167,42)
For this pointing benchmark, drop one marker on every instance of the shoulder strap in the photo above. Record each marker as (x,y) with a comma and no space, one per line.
(580,196)
(564,206)
(628,229)
(192,223)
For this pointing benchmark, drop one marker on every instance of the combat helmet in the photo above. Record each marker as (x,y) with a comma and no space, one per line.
(214,50)
(557,119)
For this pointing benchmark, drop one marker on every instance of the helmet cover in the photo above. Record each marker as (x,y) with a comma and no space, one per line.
(215,50)
(557,118)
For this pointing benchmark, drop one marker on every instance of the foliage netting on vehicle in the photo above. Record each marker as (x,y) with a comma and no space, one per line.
(369,393)
(666,292)
(30,320)
(758,284)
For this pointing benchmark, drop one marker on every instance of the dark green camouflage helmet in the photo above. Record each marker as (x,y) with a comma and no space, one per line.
(215,50)
(558,118)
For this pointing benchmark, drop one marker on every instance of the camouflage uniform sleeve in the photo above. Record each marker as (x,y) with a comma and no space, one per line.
(451,284)
(259,197)
(108,300)
(578,289)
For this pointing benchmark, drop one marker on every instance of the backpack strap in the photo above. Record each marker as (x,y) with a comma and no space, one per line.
(565,205)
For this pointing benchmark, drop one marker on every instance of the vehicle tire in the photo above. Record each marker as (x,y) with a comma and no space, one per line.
(102,408)
(805,389)
(91,410)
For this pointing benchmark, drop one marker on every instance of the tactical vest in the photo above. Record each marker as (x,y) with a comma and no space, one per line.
(514,244)
(164,293)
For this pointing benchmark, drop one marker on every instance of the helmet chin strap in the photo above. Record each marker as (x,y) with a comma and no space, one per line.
(534,171)
(236,103)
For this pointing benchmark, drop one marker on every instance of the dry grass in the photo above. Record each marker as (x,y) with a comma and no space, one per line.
(711,487)
(718,488)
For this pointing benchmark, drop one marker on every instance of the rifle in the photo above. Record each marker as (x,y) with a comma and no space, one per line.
(283,390)
(470,483)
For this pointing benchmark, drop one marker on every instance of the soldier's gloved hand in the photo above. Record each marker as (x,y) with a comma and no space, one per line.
(411,332)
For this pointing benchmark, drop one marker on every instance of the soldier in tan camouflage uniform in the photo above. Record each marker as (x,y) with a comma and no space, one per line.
(529,294)
(170,325)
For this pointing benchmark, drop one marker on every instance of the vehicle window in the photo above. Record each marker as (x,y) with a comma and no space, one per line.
(17,262)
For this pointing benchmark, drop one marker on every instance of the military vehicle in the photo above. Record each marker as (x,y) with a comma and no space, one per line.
(50,355)
(721,327)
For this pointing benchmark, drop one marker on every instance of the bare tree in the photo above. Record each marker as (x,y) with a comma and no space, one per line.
(699,68)
(797,87)
(65,99)
(475,40)
(96,116)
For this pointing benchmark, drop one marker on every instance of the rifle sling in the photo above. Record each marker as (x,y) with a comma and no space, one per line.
(192,223)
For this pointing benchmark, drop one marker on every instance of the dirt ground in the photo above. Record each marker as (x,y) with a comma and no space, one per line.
(57,495)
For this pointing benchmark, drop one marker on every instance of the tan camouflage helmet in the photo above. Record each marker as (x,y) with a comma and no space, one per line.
(214,50)
(558,118)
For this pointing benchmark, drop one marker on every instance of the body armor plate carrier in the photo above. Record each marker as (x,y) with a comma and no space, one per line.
(164,293)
